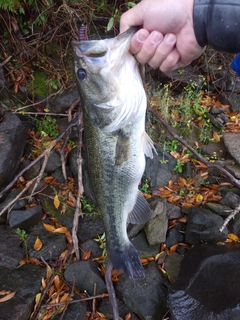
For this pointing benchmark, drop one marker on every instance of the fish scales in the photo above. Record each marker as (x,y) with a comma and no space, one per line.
(115,140)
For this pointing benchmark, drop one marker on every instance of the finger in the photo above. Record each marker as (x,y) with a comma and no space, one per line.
(132,17)
(172,62)
(163,50)
(138,40)
(149,47)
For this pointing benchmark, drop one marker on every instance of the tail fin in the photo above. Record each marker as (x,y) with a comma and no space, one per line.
(127,260)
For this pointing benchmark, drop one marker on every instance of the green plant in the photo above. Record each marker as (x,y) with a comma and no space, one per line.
(102,243)
(178,167)
(145,186)
(48,126)
(86,205)
(171,145)
(23,237)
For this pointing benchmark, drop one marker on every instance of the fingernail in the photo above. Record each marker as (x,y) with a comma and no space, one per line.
(170,38)
(142,36)
(156,37)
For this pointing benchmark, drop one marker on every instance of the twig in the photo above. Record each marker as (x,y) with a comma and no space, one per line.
(227,174)
(111,291)
(80,189)
(231,216)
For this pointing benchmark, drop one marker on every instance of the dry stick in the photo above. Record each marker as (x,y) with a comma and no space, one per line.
(62,154)
(231,216)
(28,185)
(232,179)
(111,291)
(227,174)
(80,189)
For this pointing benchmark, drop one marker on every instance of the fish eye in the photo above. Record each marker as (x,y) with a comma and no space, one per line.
(81,74)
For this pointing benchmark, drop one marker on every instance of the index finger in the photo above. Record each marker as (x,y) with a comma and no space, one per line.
(132,17)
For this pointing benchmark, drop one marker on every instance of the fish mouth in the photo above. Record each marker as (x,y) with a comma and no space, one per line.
(99,48)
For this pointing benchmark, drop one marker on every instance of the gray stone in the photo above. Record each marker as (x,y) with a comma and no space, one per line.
(232,144)
(160,169)
(90,227)
(173,212)
(106,308)
(53,243)
(33,171)
(63,101)
(207,285)
(230,199)
(92,245)
(10,250)
(26,282)
(19,204)
(83,275)
(25,219)
(172,265)
(203,226)
(213,150)
(54,161)
(234,170)
(146,298)
(218,208)
(12,142)
(175,235)
(144,249)
(156,228)
(75,311)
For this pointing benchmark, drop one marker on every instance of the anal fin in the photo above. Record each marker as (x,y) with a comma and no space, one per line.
(141,212)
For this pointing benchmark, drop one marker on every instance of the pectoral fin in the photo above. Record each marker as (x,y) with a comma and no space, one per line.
(122,149)
(148,145)
(141,212)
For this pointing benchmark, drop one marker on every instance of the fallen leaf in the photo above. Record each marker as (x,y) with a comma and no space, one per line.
(38,244)
(8,295)
(49,227)
(56,201)
(233,237)
(86,255)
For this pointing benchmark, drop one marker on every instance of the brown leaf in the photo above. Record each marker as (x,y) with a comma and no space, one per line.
(56,201)
(38,244)
(8,295)
(49,227)
(87,255)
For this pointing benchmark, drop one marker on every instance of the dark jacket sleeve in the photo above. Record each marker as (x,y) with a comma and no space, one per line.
(217,23)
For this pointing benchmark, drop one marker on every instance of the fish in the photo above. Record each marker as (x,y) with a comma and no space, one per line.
(114,107)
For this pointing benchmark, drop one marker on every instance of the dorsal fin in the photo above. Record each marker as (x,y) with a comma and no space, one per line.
(141,212)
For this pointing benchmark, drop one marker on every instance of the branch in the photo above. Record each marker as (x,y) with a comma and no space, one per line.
(227,174)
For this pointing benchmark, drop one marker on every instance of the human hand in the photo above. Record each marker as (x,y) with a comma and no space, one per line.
(167,40)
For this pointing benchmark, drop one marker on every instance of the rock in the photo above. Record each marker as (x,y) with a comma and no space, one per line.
(75,311)
(92,245)
(160,169)
(54,161)
(203,226)
(146,298)
(83,275)
(230,199)
(234,170)
(90,227)
(172,265)
(218,208)
(106,309)
(175,235)
(144,249)
(10,250)
(232,144)
(12,142)
(32,172)
(63,101)
(234,225)
(214,150)
(206,287)
(25,219)
(156,228)
(234,100)
(173,212)
(53,243)
(19,204)
(26,282)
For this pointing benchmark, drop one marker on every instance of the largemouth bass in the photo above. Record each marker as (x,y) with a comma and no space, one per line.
(114,107)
